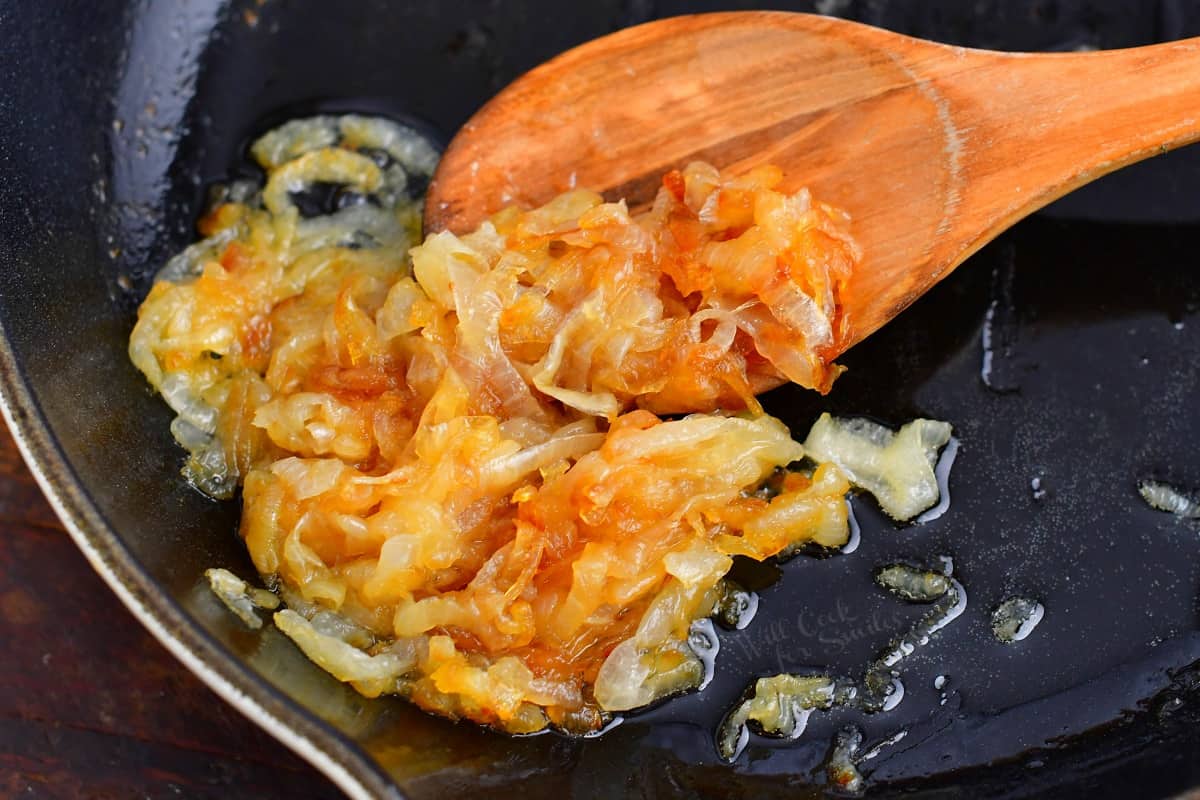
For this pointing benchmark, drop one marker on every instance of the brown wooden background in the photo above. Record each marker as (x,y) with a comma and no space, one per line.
(91,706)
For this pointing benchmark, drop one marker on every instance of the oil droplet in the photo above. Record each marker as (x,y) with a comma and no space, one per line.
(1169,707)
(596,734)
(736,607)
(985,369)
(895,695)
(941,471)
(886,743)
(855,531)
(702,638)
(1000,329)
(940,683)
(1015,618)
(1035,486)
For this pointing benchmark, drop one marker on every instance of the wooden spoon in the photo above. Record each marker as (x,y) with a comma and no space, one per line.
(932,149)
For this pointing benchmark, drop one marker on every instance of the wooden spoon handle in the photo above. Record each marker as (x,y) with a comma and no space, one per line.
(1046,123)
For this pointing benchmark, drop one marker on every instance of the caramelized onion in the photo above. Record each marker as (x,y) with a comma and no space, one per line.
(452,463)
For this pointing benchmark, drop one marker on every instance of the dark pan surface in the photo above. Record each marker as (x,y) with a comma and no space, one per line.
(117,115)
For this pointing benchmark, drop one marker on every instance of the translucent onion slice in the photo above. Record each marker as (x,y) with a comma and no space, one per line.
(371,675)
(240,597)
(1167,498)
(293,139)
(913,584)
(779,706)
(632,677)
(895,466)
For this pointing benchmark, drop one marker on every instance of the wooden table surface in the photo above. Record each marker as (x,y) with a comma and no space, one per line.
(91,706)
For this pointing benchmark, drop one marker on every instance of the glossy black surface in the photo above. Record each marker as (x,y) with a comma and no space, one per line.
(115,116)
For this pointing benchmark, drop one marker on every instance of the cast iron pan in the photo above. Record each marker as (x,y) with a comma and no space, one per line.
(116,115)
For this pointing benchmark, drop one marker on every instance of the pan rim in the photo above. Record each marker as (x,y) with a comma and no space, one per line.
(312,739)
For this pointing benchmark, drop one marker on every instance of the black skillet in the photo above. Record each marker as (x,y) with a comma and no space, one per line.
(114,116)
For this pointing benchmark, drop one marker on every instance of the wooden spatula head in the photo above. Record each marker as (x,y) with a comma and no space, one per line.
(932,149)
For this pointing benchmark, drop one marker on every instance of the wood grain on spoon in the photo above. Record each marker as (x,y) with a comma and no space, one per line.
(932,149)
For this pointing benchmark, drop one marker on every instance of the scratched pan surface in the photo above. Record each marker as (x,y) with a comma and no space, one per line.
(115,117)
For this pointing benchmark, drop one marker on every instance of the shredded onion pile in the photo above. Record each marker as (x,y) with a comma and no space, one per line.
(463,459)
